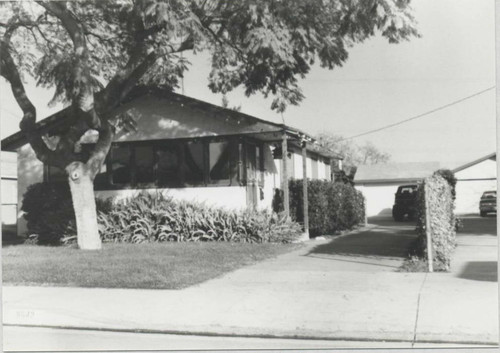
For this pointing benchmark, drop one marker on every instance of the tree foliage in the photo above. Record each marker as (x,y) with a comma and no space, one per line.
(354,155)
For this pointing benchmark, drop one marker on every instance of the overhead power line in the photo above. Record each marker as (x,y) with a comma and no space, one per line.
(420,115)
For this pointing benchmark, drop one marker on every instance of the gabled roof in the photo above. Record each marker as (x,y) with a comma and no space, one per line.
(394,172)
(492,156)
(219,121)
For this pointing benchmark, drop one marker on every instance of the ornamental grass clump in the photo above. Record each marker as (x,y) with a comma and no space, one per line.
(156,217)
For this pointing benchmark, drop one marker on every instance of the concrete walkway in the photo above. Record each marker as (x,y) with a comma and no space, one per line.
(341,289)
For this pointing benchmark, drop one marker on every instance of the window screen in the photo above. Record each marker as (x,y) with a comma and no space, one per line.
(168,165)
(314,167)
(56,174)
(220,161)
(144,164)
(193,163)
(120,164)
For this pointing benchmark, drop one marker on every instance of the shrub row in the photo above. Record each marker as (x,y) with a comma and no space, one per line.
(441,220)
(332,206)
(150,218)
(157,217)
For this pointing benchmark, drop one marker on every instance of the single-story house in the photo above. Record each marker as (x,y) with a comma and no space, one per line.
(473,179)
(193,149)
(379,182)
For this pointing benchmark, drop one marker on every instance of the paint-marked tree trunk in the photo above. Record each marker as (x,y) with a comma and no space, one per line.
(82,193)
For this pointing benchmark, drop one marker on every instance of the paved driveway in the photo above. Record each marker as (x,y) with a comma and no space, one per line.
(381,247)
(478,237)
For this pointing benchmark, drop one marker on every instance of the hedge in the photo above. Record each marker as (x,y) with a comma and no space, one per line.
(150,217)
(48,211)
(332,206)
(442,220)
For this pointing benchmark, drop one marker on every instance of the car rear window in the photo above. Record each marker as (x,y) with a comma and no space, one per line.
(407,189)
(489,195)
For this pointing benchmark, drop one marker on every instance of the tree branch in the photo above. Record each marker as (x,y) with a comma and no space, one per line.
(8,69)
(83,97)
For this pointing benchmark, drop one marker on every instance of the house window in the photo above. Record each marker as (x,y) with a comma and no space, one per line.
(314,168)
(101,179)
(194,163)
(121,166)
(169,165)
(177,163)
(144,164)
(220,162)
(55,174)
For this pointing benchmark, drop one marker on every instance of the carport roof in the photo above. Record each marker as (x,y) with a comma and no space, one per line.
(492,156)
(394,172)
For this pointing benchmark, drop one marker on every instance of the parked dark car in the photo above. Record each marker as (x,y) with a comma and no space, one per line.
(488,203)
(405,202)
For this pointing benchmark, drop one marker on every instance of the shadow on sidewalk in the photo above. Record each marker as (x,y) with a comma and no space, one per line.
(378,242)
(479,225)
(480,271)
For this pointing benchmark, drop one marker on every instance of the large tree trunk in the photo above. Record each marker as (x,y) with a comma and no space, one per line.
(81,183)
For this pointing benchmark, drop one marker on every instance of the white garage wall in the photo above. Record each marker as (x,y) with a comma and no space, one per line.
(379,198)
(471,184)
(469,192)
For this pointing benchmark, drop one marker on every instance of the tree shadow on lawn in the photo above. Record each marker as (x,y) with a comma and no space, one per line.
(388,242)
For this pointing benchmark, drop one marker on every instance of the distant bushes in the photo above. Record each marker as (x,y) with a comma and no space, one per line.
(149,218)
(332,206)
(441,219)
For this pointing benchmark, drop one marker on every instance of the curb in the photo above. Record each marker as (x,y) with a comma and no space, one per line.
(264,336)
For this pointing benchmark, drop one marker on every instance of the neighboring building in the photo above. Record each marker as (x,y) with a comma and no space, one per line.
(473,179)
(193,149)
(379,183)
(8,169)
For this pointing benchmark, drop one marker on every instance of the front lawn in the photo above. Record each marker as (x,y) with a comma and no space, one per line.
(158,265)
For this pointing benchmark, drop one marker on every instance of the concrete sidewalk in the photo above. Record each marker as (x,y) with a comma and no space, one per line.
(327,290)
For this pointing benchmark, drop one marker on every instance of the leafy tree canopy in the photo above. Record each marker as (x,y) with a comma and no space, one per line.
(262,45)
(354,154)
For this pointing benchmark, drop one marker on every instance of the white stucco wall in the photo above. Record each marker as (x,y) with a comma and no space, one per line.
(321,169)
(297,173)
(471,183)
(9,188)
(232,197)
(379,198)
(469,193)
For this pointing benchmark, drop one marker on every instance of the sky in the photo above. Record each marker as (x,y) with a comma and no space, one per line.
(380,84)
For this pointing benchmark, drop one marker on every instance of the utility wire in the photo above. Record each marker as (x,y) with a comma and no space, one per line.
(420,115)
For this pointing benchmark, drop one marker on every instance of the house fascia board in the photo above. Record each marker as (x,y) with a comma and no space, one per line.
(477,161)
(387,181)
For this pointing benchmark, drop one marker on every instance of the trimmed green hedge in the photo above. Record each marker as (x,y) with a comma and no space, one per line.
(332,206)
(48,211)
(442,220)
